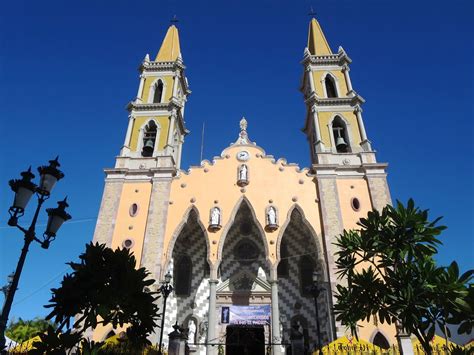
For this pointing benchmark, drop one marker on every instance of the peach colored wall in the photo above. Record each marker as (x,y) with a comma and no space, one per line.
(358,188)
(217,182)
(127,226)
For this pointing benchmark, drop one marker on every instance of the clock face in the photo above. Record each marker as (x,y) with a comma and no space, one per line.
(243,155)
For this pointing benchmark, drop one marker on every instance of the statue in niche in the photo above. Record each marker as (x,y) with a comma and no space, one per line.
(243,175)
(192,331)
(215,218)
(272,215)
(243,172)
(271,219)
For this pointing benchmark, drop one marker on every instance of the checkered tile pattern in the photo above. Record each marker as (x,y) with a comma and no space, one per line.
(299,242)
(190,242)
(230,264)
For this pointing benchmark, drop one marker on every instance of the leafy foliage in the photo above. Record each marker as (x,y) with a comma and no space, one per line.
(23,330)
(390,272)
(104,288)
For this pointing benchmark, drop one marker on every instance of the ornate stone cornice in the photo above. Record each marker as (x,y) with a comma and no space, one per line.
(335,101)
(341,58)
(136,106)
(162,66)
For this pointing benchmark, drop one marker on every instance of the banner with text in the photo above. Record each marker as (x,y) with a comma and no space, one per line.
(246,314)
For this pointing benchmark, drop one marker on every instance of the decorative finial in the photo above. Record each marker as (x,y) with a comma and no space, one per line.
(312,13)
(174,20)
(243,124)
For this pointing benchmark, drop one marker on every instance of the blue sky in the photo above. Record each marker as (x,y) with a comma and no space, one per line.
(68,69)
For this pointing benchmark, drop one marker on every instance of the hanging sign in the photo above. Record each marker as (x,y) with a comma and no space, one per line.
(251,315)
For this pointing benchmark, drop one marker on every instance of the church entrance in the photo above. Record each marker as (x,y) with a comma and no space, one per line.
(245,340)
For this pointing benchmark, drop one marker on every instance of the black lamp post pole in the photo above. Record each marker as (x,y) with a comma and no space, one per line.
(316,292)
(24,189)
(165,290)
(29,237)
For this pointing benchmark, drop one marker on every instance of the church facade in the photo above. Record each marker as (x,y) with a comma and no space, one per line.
(245,235)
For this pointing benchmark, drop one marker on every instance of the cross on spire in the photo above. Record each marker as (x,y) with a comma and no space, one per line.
(174,20)
(312,13)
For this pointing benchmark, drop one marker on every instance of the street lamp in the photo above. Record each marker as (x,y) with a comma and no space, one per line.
(315,291)
(165,289)
(24,189)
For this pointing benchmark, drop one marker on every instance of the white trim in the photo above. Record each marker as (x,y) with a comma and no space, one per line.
(336,84)
(140,88)
(348,137)
(140,136)
(153,74)
(320,67)
(151,90)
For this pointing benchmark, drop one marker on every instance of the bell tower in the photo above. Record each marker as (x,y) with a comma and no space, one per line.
(349,180)
(156,125)
(334,125)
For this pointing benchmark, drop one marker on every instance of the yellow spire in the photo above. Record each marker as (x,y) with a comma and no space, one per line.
(317,43)
(170,49)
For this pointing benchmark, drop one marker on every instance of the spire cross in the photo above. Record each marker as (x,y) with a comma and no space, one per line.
(312,13)
(174,20)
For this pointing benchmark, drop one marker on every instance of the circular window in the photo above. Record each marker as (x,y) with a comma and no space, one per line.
(133,210)
(127,243)
(246,251)
(355,203)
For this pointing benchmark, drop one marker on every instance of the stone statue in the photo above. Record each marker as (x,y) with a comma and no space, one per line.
(216,216)
(191,331)
(271,215)
(243,176)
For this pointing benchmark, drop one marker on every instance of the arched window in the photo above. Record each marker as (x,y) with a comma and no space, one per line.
(183,271)
(330,86)
(149,139)
(339,131)
(157,96)
(306,274)
(283,267)
(381,341)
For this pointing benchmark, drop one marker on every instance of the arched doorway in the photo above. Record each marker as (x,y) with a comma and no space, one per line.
(190,271)
(244,287)
(300,255)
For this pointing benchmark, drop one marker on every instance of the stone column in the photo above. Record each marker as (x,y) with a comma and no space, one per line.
(310,78)
(140,89)
(365,144)
(105,225)
(169,141)
(332,226)
(131,120)
(211,318)
(276,336)
(319,146)
(345,70)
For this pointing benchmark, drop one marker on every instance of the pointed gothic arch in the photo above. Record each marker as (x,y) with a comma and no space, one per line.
(148,137)
(380,340)
(191,214)
(339,121)
(243,200)
(330,85)
(314,236)
(157,91)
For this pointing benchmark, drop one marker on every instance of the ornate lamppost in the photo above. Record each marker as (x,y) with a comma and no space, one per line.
(315,290)
(24,189)
(165,289)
